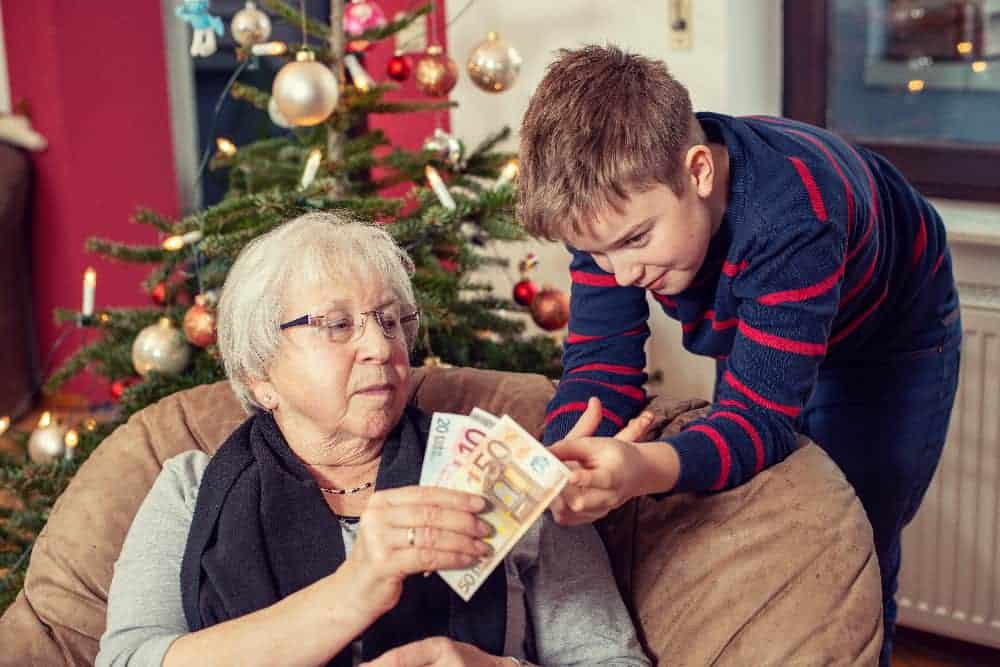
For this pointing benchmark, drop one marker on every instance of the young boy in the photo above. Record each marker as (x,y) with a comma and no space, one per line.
(810,269)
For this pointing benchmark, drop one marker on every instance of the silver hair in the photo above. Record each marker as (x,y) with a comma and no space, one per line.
(315,248)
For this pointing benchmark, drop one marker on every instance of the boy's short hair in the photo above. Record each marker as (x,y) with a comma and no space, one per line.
(602,123)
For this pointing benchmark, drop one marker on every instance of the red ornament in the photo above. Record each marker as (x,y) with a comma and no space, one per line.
(525,291)
(199,324)
(550,309)
(159,293)
(399,68)
(118,387)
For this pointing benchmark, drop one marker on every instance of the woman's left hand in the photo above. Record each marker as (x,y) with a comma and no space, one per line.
(438,652)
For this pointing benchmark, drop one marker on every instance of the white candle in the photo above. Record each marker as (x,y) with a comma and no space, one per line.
(269,49)
(312,166)
(360,77)
(89,285)
(72,439)
(437,185)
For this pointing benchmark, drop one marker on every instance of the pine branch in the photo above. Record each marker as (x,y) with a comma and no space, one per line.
(393,27)
(125,252)
(292,16)
(145,216)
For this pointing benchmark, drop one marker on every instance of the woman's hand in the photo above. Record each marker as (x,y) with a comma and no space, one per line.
(438,652)
(409,530)
(606,471)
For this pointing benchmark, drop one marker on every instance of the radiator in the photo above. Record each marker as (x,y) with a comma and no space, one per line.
(950,578)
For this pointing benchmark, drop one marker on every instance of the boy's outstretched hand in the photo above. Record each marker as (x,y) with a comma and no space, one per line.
(607,472)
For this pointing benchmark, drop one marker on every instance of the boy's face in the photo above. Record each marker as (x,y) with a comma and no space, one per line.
(658,241)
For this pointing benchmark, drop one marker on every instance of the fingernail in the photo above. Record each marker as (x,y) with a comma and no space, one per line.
(483,528)
(483,548)
(477,503)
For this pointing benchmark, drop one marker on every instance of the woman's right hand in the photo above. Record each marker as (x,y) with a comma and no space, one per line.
(409,530)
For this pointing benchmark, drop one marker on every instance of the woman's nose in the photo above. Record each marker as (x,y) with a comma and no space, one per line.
(373,343)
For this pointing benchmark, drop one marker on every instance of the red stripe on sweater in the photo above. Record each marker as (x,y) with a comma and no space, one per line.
(593,279)
(580,407)
(583,338)
(748,428)
(725,462)
(848,193)
(731,403)
(608,368)
(856,322)
(815,198)
(872,206)
(803,293)
(790,410)
(865,279)
(665,300)
(720,325)
(782,343)
(624,389)
(937,264)
(920,244)
(731,269)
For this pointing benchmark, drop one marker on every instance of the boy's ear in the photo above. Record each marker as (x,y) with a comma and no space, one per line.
(700,169)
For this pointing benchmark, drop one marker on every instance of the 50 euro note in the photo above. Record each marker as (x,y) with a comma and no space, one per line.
(519,478)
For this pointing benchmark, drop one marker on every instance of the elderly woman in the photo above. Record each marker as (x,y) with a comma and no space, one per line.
(297,542)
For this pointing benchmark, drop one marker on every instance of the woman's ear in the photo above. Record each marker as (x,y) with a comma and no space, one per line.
(264,393)
(700,167)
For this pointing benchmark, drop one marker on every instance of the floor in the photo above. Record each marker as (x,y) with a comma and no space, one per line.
(913,648)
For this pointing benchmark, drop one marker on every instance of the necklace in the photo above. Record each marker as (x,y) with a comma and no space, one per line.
(345,492)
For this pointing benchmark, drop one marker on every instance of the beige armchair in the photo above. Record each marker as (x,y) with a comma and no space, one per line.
(780,571)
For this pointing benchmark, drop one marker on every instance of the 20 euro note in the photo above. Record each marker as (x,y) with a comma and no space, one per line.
(519,478)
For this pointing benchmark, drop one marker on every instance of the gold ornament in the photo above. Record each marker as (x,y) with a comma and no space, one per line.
(160,347)
(199,323)
(550,309)
(305,91)
(47,442)
(494,64)
(275,114)
(250,26)
(435,73)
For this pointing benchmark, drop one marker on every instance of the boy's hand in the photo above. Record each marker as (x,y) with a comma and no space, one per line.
(606,471)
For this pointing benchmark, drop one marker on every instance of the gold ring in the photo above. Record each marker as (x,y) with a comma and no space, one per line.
(411,536)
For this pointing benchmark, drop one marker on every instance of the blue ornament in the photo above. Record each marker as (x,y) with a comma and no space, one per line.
(205,25)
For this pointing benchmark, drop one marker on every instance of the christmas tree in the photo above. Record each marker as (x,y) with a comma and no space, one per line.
(327,160)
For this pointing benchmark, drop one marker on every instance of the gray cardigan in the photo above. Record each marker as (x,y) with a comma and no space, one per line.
(563,607)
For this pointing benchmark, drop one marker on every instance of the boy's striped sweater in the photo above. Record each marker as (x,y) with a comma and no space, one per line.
(825,256)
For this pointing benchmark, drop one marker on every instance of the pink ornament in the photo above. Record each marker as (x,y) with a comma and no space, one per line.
(361,16)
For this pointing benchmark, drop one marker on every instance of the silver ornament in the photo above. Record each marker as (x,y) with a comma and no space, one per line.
(250,26)
(160,347)
(275,113)
(305,91)
(445,146)
(47,443)
(494,64)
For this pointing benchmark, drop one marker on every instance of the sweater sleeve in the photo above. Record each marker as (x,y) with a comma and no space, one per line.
(787,294)
(145,610)
(604,353)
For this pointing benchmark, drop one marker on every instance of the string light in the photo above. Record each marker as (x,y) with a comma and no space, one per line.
(174,243)
(437,185)
(979,66)
(915,85)
(90,424)
(269,49)
(508,173)
(4,424)
(104,318)
(225,146)
(362,80)
(72,438)
(964,47)
(89,286)
(45,419)
(312,166)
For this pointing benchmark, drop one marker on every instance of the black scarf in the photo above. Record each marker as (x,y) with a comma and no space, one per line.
(261,530)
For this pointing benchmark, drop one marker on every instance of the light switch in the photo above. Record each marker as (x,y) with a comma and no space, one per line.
(680,24)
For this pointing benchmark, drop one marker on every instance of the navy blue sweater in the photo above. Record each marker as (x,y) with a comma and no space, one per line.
(825,256)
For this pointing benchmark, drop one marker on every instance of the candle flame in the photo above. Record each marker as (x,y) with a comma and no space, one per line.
(45,419)
(4,424)
(90,277)
(72,438)
(173,243)
(90,424)
(225,146)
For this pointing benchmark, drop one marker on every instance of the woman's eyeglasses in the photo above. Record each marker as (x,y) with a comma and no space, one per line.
(348,329)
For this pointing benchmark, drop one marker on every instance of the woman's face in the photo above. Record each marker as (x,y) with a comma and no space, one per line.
(328,392)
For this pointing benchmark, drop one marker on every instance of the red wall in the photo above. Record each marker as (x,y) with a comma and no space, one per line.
(96,84)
